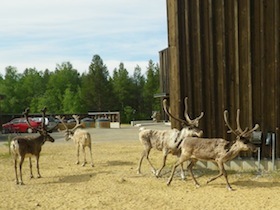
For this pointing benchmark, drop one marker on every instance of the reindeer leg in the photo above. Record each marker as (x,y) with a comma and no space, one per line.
(17,182)
(30,166)
(172,172)
(179,162)
(140,162)
(84,153)
(146,153)
(190,166)
(38,169)
(20,170)
(222,168)
(165,153)
(90,152)
(226,177)
(183,177)
(78,150)
(222,172)
(147,157)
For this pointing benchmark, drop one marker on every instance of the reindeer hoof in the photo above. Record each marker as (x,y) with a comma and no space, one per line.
(157,174)
(230,189)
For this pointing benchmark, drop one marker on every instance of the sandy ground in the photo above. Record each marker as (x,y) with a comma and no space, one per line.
(113,183)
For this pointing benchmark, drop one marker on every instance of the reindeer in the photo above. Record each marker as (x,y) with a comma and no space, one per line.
(167,140)
(80,137)
(29,146)
(216,150)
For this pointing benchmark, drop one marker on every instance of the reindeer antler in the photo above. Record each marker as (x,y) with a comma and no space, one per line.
(25,113)
(188,121)
(228,125)
(238,132)
(44,117)
(76,117)
(194,122)
(167,111)
(43,127)
(62,121)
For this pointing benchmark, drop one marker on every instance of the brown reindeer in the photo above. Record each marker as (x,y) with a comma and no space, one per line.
(167,140)
(80,137)
(29,146)
(216,150)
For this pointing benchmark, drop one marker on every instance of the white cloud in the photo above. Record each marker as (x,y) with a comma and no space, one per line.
(41,34)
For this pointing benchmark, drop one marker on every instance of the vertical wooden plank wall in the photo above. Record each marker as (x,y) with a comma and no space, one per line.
(224,54)
(208,86)
(277,75)
(174,72)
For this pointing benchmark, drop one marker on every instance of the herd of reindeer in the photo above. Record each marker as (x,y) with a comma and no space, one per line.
(187,144)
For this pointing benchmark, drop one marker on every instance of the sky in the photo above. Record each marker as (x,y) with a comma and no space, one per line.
(43,34)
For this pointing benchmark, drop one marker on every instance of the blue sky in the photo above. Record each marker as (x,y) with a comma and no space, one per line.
(41,34)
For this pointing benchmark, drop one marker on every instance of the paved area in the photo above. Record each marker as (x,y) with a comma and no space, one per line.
(125,133)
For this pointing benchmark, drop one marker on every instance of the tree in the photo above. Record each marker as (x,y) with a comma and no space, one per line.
(96,88)
(151,87)
(138,81)
(71,101)
(11,89)
(122,87)
(32,87)
(65,91)
(64,77)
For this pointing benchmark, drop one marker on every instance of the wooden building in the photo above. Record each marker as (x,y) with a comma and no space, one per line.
(224,55)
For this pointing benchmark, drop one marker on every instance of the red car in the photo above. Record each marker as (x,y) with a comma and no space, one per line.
(19,125)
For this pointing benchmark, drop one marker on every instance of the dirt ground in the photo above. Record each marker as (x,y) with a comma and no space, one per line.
(113,183)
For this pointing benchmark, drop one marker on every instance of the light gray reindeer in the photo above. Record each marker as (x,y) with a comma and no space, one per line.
(167,140)
(80,137)
(216,150)
(22,147)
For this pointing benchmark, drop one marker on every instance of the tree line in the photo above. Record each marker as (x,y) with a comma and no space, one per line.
(65,90)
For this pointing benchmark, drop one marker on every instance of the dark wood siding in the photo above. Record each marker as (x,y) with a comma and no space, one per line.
(224,54)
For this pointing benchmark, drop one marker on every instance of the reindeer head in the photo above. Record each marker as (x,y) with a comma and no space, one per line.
(242,136)
(190,127)
(43,128)
(69,132)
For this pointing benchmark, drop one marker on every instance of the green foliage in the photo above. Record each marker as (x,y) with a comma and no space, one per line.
(128,113)
(96,87)
(64,90)
(122,86)
(151,87)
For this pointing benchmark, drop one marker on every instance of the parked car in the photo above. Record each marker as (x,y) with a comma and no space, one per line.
(87,119)
(50,122)
(71,121)
(19,125)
